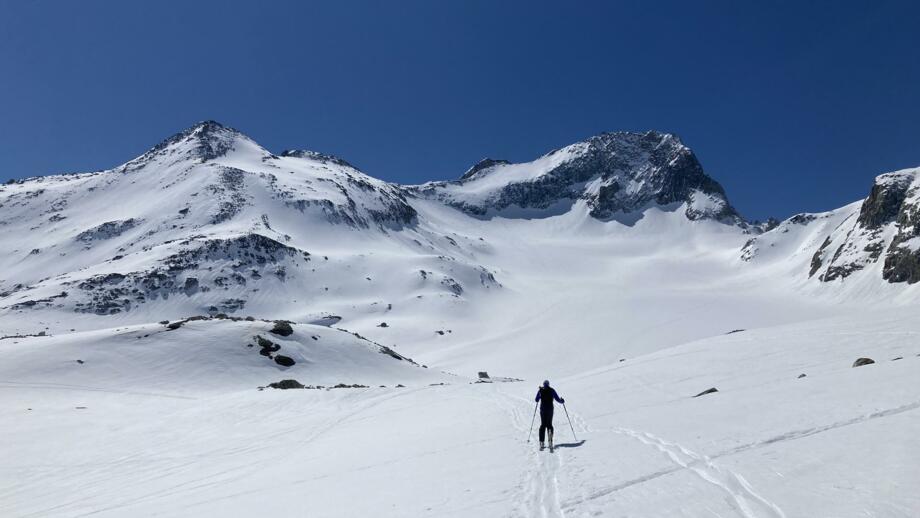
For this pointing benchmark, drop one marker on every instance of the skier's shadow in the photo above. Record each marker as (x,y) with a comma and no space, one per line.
(570,444)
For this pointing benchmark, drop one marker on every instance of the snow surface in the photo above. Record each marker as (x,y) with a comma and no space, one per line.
(628,318)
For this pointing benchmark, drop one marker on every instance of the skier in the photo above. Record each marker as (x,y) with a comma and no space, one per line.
(546,395)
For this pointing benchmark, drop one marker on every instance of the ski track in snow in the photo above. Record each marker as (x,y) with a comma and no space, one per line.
(62,386)
(539,489)
(539,493)
(748,502)
(808,432)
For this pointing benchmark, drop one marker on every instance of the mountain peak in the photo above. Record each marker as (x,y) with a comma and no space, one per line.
(612,173)
(485,163)
(203,141)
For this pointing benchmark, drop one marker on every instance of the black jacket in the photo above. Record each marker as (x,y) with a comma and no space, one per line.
(546,395)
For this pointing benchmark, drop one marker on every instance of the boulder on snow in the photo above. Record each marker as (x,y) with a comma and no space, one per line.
(267,346)
(801,376)
(863,361)
(707,391)
(483,375)
(282,328)
(284,361)
(286,384)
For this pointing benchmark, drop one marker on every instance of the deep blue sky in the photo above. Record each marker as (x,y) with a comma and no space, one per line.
(792,107)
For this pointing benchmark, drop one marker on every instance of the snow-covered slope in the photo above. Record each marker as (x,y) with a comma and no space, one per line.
(838,442)
(615,267)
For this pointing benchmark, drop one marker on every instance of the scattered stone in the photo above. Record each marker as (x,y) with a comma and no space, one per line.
(898,358)
(383,324)
(81,362)
(733,331)
(175,325)
(80,408)
(282,328)
(801,376)
(440,332)
(863,361)
(284,361)
(286,384)
(164,322)
(707,391)
(400,386)
(622,360)
(483,375)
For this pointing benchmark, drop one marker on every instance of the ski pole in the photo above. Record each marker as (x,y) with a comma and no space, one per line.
(532,419)
(570,421)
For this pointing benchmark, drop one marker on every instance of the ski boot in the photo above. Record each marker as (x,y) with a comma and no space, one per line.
(542,446)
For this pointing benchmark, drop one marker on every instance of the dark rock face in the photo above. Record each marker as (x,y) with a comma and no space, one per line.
(884,202)
(816,259)
(863,361)
(107,230)
(115,292)
(902,264)
(229,190)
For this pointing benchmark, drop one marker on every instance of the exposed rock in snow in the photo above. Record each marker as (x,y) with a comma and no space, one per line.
(863,361)
(707,391)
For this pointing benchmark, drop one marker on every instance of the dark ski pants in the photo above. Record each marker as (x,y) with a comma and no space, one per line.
(546,422)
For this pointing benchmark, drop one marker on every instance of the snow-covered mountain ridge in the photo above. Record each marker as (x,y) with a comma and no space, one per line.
(612,173)
(881,234)
(208,221)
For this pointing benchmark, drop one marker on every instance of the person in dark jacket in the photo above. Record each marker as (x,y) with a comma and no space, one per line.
(546,395)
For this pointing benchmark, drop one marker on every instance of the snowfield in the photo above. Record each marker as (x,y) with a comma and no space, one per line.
(145,312)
